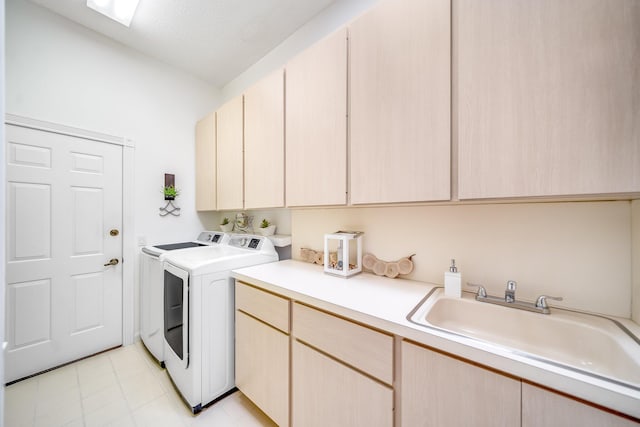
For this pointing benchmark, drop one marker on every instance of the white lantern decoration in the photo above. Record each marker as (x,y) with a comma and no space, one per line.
(343,253)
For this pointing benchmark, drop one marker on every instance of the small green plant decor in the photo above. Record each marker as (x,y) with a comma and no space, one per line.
(226,225)
(170,192)
(266,228)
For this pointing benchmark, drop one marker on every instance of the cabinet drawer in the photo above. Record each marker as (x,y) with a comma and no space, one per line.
(367,350)
(327,393)
(267,307)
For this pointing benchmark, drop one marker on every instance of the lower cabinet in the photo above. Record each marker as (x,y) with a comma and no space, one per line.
(441,390)
(262,351)
(307,367)
(544,408)
(438,390)
(342,372)
(326,392)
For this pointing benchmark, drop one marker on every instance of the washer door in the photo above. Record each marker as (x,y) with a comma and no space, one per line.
(176,311)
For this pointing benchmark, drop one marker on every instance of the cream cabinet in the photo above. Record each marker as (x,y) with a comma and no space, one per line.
(548,101)
(327,392)
(316,124)
(262,350)
(206,163)
(544,408)
(368,350)
(304,366)
(400,103)
(229,139)
(342,372)
(264,143)
(439,390)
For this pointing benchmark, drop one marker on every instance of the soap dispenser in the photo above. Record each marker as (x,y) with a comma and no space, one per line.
(453,281)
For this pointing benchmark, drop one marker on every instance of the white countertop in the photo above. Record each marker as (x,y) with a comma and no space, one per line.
(384,304)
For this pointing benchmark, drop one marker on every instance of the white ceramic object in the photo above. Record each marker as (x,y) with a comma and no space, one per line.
(266,231)
(582,341)
(227,228)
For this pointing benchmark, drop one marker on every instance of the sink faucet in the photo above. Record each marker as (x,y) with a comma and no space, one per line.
(509,300)
(510,292)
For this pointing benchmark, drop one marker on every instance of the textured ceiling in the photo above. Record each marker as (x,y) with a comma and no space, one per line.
(215,40)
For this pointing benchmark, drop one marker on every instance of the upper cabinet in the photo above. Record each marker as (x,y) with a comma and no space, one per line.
(548,97)
(230,182)
(316,124)
(400,103)
(240,150)
(264,143)
(206,163)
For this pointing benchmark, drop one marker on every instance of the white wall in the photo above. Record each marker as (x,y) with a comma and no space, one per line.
(61,72)
(635,257)
(580,251)
(330,19)
(2,215)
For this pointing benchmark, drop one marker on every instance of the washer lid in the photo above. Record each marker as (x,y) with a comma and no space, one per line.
(174,246)
(250,250)
(205,238)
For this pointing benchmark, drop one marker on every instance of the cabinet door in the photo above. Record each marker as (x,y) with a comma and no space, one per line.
(206,163)
(316,124)
(438,390)
(548,101)
(327,393)
(400,83)
(262,366)
(264,143)
(542,408)
(230,172)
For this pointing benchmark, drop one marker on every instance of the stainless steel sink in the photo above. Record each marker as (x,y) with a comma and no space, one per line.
(592,344)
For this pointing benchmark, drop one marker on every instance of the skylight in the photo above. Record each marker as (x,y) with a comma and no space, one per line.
(119,10)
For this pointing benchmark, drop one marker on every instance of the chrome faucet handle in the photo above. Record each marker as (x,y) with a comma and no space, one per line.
(482,292)
(541,302)
(510,292)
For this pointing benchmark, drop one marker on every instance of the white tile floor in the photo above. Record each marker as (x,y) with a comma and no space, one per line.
(122,387)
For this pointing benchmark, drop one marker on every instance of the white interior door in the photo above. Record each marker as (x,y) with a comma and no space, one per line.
(64,196)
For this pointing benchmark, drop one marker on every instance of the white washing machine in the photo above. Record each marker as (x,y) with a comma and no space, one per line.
(199,336)
(152,287)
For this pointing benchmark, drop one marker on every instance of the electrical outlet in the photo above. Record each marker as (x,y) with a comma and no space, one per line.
(142,241)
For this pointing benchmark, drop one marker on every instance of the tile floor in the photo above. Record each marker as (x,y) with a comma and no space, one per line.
(123,387)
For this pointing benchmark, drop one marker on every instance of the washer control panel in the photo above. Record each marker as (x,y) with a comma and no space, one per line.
(211,237)
(247,242)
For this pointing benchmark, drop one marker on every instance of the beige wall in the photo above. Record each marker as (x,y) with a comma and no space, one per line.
(635,257)
(579,250)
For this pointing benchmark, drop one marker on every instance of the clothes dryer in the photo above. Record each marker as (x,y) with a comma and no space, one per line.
(199,305)
(152,285)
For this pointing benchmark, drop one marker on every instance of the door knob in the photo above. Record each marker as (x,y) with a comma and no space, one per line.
(112,261)
(114,232)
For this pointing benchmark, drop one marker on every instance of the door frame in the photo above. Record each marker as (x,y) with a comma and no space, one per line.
(128,223)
